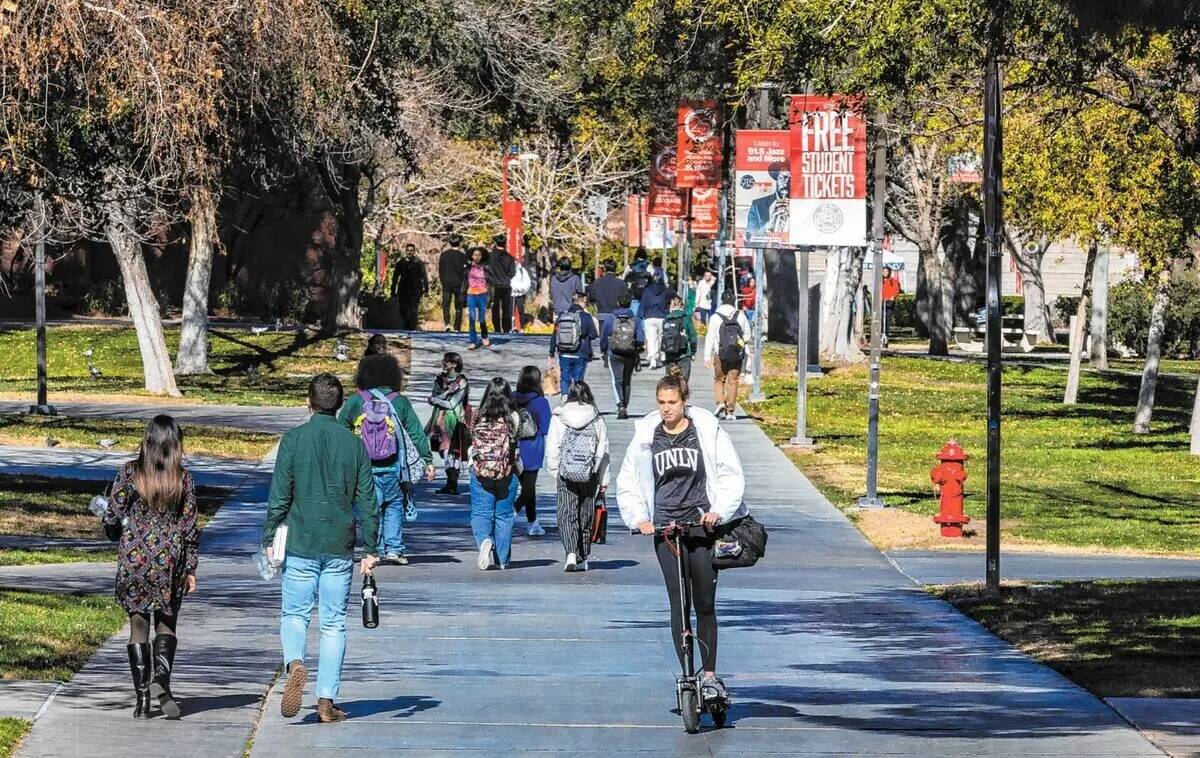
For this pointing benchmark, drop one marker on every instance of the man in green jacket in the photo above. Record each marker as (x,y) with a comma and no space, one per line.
(322,474)
(378,375)
(679,339)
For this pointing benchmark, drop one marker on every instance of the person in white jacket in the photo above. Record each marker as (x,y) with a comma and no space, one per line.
(682,467)
(577,456)
(726,370)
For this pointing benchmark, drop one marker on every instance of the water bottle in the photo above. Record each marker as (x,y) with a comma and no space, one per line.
(370,602)
(267,569)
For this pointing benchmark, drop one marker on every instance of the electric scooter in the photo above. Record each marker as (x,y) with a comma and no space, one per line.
(688,689)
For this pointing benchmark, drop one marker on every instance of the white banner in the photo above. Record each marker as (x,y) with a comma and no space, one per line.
(829,222)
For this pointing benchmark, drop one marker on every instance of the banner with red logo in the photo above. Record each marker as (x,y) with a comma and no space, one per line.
(763,178)
(513,212)
(829,170)
(664,198)
(706,211)
(698,144)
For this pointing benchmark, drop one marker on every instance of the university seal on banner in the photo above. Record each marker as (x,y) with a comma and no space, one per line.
(828,218)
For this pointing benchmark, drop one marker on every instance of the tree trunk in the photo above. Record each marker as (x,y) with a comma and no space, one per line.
(1077,335)
(1098,344)
(345,273)
(193,335)
(1158,323)
(1038,318)
(846,346)
(941,303)
(830,293)
(143,306)
(1195,430)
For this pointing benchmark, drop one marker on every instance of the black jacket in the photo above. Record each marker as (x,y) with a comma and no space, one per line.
(605,291)
(452,264)
(501,268)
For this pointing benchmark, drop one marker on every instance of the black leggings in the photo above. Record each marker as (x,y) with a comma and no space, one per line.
(139,625)
(698,562)
(527,500)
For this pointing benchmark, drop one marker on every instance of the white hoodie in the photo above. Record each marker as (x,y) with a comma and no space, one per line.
(577,416)
(723,478)
(712,340)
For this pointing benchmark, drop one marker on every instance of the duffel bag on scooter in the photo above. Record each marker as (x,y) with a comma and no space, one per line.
(739,543)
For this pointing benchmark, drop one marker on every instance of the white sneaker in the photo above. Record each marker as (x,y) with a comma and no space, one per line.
(572,563)
(485,554)
(534,529)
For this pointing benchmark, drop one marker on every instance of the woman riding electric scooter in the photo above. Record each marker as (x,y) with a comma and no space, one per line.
(681,468)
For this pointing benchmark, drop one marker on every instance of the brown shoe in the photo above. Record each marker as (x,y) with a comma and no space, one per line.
(329,713)
(293,689)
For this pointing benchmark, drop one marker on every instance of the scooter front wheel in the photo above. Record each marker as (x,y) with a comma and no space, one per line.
(689,708)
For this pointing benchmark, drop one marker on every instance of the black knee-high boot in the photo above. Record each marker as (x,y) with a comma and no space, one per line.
(164,661)
(451,487)
(141,666)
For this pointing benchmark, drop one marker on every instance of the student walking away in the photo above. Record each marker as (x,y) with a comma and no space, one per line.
(891,290)
(522,285)
(449,427)
(564,285)
(659,272)
(502,267)
(682,466)
(622,340)
(749,298)
(638,278)
(475,287)
(529,395)
(152,516)
(452,265)
(395,442)
(679,339)
(322,477)
(494,470)
(572,339)
(577,456)
(656,302)
(706,290)
(604,292)
(725,352)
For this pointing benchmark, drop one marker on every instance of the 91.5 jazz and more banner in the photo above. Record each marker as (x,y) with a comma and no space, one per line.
(829,171)
(763,178)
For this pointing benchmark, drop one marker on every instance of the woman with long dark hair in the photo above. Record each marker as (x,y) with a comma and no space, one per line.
(529,396)
(494,469)
(577,456)
(476,287)
(152,514)
(449,427)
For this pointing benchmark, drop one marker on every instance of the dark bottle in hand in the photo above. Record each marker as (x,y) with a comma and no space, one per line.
(370,602)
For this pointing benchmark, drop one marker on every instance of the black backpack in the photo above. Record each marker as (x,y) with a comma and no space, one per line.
(623,340)
(731,346)
(674,337)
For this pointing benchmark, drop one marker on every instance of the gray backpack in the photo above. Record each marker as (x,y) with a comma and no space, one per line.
(577,458)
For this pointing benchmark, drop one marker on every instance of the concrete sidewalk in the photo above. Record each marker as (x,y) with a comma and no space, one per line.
(270,419)
(826,647)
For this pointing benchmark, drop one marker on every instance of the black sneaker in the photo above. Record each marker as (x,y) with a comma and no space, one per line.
(621,413)
(713,689)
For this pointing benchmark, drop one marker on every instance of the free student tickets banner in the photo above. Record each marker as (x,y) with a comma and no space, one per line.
(762,179)
(706,211)
(829,171)
(664,199)
(698,144)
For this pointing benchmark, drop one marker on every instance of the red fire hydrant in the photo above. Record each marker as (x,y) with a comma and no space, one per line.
(948,478)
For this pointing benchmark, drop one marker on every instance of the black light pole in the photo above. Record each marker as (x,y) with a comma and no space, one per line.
(993,219)
(872,499)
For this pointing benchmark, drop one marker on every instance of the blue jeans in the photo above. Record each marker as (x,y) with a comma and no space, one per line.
(305,581)
(477,313)
(571,369)
(492,514)
(392,499)
(635,306)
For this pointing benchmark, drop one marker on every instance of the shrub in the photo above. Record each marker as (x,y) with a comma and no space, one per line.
(1129,305)
(104,298)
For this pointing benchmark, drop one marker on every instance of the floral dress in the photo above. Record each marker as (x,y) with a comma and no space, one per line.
(158,548)
(449,426)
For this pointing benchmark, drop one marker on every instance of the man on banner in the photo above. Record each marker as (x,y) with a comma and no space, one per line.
(769,215)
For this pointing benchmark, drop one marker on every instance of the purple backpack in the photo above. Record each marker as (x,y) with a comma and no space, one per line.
(377,425)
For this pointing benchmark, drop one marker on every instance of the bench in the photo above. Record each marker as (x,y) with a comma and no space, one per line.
(1012,339)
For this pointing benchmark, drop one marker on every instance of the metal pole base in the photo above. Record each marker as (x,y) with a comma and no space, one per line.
(43,410)
(757,397)
(807,442)
(870,502)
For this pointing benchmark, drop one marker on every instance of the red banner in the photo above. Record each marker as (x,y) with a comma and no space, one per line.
(663,198)
(829,170)
(513,212)
(698,144)
(706,211)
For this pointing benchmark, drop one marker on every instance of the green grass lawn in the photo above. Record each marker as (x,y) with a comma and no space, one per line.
(46,636)
(38,506)
(1115,638)
(1070,475)
(11,732)
(80,432)
(249,369)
